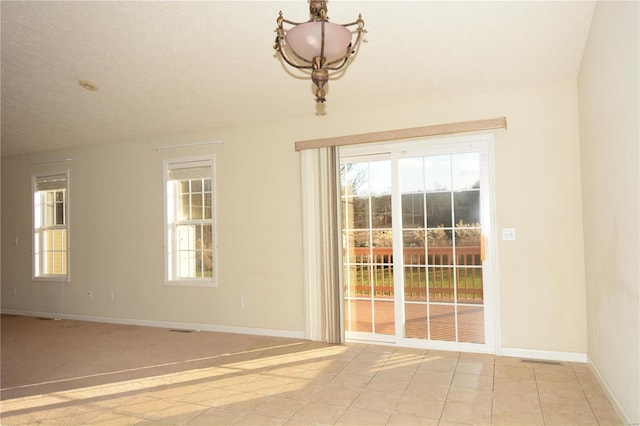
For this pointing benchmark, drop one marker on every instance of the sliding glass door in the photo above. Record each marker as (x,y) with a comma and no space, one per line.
(415,220)
(368,247)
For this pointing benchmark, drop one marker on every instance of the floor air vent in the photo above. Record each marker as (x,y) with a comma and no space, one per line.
(181,331)
(539,361)
(47,319)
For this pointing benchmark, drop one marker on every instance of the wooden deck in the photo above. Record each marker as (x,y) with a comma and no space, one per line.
(422,321)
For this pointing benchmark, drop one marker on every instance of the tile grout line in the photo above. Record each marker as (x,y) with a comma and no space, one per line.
(449,389)
(493,388)
(585,394)
(359,390)
(407,385)
(535,379)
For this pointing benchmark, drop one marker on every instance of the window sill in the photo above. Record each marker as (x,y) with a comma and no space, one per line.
(52,278)
(191,283)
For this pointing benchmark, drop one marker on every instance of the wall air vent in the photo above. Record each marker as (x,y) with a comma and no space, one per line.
(539,361)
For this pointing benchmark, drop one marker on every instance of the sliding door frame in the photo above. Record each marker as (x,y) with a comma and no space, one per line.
(395,150)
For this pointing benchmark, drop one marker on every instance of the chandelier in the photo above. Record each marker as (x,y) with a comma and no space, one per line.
(318,45)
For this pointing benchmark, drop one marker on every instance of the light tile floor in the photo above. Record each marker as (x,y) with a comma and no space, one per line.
(301,383)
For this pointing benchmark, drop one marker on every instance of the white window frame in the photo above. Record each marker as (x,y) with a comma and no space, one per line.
(39,184)
(170,221)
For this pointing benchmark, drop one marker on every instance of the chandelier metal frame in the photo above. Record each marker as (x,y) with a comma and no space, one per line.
(319,65)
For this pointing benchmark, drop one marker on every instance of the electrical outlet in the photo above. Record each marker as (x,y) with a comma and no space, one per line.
(508,234)
(112,296)
(14,291)
(241,302)
(90,295)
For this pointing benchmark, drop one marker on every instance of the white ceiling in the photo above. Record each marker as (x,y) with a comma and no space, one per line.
(177,67)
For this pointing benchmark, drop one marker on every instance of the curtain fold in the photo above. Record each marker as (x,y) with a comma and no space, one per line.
(322,255)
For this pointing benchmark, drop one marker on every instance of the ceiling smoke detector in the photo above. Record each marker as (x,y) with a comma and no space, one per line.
(88,85)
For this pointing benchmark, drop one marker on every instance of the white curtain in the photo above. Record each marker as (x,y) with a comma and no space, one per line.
(322,256)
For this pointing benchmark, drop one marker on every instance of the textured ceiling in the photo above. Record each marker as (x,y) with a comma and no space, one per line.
(176,67)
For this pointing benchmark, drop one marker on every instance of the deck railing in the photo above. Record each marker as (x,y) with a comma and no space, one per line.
(433,269)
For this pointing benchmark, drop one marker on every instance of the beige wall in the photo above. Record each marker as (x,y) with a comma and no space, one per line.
(117,213)
(609,139)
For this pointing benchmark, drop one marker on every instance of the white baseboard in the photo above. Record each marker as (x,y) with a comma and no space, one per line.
(164,324)
(605,387)
(545,355)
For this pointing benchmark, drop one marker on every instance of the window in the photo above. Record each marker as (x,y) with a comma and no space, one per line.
(190,232)
(51,226)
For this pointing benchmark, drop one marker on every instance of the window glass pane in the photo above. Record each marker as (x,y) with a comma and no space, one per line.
(468,247)
(196,185)
(413,238)
(354,178)
(196,206)
(361,238)
(469,285)
(413,210)
(381,211)
(356,247)
(471,324)
(49,208)
(359,316)
(185,251)
(53,248)
(380,177)
(413,247)
(206,234)
(358,213)
(207,205)
(48,262)
(415,282)
(415,320)
(185,237)
(467,208)
(383,281)
(466,171)
(467,237)
(184,207)
(356,279)
(58,263)
(438,173)
(411,174)
(206,247)
(384,317)
(61,239)
(59,206)
(382,243)
(438,209)
(441,284)
(414,257)
(439,247)
(442,322)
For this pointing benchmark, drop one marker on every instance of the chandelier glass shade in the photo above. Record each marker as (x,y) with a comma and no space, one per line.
(318,45)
